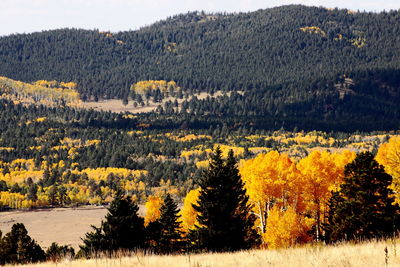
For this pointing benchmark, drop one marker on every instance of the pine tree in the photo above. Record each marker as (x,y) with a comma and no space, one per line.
(164,235)
(57,253)
(170,237)
(226,223)
(93,242)
(364,207)
(17,247)
(122,229)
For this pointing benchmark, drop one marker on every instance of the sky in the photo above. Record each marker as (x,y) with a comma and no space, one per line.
(25,16)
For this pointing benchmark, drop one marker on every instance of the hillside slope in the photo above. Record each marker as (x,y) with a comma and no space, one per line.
(244,51)
(291,62)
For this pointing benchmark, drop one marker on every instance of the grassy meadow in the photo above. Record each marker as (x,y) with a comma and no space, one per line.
(365,254)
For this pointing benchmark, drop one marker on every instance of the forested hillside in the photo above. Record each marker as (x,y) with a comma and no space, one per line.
(295,64)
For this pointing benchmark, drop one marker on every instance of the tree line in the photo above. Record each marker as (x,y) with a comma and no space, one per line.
(361,208)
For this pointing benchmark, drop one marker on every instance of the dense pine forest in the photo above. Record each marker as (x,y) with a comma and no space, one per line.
(291,66)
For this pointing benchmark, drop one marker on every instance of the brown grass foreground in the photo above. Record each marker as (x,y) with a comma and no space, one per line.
(365,254)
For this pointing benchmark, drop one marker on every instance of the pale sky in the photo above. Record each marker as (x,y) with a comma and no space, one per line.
(25,16)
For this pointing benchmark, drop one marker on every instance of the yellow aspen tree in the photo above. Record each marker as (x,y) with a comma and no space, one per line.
(153,206)
(321,173)
(389,156)
(286,228)
(188,214)
(269,180)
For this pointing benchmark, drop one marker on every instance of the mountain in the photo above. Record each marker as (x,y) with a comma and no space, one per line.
(292,66)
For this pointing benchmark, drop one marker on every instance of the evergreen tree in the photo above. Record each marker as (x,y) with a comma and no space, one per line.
(364,207)
(164,235)
(226,223)
(56,252)
(170,236)
(122,229)
(17,247)
(93,242)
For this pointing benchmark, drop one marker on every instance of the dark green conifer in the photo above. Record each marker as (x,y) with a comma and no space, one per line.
(17,247)
(57,253)
(164,235)
(170,237)
(364,207)
(122,229)
(226,223)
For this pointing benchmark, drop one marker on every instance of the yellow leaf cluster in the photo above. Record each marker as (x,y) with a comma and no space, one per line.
(143,86)
(41,119)
(314,30)
(8,149)
(188,154)
(188,138)
(153,206)
(49,93)
(269,179)
(14,200)
(389,156)
(202,164)
(102,173)
(287,228)
(188,214)
(274,181)
(237,151)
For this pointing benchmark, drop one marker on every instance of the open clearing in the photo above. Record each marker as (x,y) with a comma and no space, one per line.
(116,105)
(65,226)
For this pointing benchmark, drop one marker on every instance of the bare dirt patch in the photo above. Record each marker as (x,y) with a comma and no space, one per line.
(66,226)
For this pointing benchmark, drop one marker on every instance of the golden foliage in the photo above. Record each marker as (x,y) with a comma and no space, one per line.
(102,173)
(188,154)
(188,214)
(202,164)
(389,156)
(237,151)
(270,178)
(14,200)
(321,172)
(49,93)
(143,86)
(287,228)
(313,29)
(8,149)
(187,138)
(153,206)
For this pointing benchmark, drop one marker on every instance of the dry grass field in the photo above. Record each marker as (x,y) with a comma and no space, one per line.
(65,226)
(115,105)
(369,254)
(62,225)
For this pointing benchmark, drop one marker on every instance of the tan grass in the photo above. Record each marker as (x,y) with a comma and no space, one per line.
(116,105)
(65,226)
(366,254)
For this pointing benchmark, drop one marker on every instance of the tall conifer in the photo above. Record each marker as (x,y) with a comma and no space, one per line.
(225,221)
(364,206)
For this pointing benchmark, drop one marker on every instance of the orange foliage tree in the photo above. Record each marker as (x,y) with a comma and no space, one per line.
(286,228)
(270,179)
(321,173)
